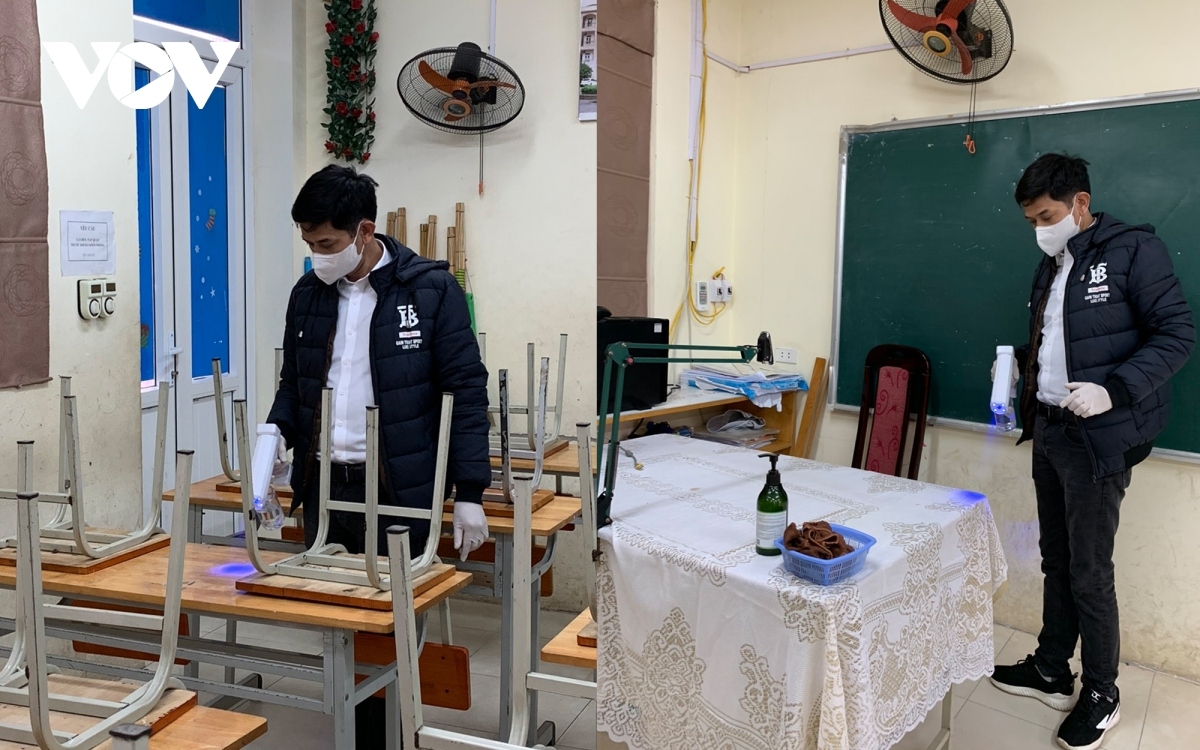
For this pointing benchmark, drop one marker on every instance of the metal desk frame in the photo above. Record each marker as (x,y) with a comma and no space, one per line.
(335,668)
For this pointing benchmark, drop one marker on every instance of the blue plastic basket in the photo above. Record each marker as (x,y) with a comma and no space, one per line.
(829,572)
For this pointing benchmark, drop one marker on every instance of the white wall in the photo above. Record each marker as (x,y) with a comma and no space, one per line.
(670,170)
(531,239)
(92,166)
(781,209)
(275,135)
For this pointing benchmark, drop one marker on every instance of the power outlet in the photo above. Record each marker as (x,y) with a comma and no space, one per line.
(785,356)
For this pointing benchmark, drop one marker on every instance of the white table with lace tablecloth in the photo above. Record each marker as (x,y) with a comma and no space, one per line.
(705,644)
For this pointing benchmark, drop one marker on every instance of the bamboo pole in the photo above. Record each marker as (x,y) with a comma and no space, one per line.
(460,229)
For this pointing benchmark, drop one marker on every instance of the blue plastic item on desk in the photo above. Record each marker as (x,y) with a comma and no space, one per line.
(829,572)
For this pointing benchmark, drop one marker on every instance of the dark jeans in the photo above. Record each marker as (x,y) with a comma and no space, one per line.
(349,530)
(1078,520)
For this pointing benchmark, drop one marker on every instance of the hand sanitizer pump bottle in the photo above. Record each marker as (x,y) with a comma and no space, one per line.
(771,519)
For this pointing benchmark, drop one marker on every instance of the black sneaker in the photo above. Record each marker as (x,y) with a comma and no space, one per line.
(1024,679)
(1093,716)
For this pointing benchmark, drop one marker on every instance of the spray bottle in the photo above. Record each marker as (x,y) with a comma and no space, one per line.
(771,520)
(266,504)
(1004,389)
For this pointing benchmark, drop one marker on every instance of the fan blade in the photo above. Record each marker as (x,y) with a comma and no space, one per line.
(436,79)
(965,54)
(489,84)
(914,21)
(954,9)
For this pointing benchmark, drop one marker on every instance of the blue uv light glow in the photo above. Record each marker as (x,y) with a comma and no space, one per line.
(232,570)
(967,496)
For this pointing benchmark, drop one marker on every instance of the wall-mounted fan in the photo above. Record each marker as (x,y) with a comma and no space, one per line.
(959,41)
(461,90)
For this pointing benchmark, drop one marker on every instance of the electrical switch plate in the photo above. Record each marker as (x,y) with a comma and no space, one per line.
(785,356)
(703,291)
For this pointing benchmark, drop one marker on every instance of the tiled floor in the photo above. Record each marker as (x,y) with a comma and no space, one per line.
(1158,712)
(477,627)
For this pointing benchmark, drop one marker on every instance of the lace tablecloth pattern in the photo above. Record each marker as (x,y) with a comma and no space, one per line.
(705,644)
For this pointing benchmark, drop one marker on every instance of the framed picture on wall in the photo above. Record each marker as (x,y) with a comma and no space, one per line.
(588,72)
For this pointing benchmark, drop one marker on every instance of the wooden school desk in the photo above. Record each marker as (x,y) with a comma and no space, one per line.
(558,515)
(206,729)
(209,578)
(177,722)
(564,648)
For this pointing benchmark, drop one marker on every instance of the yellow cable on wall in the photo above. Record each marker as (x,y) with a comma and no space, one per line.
(696,175)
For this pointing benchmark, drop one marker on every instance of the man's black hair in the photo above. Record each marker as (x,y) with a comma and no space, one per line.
(1058,175)
(338,195)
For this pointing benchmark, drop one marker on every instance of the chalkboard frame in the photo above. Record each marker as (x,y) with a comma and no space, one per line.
(847,134)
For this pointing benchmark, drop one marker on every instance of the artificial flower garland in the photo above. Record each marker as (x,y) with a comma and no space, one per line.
(350,70)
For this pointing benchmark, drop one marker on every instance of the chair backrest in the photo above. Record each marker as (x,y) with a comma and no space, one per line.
(895,389)
(805,445)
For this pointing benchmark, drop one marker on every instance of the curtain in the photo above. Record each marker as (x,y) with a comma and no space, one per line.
(24,203)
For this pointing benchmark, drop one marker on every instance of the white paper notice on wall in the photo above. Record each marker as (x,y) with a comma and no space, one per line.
(87,243)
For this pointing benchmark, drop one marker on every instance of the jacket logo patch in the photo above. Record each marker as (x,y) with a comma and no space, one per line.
(408,317)
(408,337)
(1099,273)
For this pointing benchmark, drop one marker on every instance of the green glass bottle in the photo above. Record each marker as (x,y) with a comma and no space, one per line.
(772,510)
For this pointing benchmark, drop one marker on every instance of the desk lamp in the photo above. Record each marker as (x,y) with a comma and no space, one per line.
(620,356)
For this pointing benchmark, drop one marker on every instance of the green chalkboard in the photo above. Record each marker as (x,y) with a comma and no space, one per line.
(937,255)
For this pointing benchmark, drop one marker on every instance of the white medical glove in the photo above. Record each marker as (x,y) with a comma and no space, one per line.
(1087,399)
(1016,376)
(470,527)
(281,472)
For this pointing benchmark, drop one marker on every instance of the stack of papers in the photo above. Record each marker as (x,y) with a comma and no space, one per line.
(752,439)
(764,386)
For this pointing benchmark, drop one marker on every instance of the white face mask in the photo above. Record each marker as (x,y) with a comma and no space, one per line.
(336,266)
(1053,239)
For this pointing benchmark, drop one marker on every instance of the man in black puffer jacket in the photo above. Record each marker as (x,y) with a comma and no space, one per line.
(380,326)
(1109,328)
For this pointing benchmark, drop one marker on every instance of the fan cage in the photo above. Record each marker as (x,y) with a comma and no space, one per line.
(426,102)
(982,14)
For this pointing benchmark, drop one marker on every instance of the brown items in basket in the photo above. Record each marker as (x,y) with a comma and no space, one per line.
(816,539)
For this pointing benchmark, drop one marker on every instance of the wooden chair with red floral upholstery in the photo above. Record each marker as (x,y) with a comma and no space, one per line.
(895,392)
